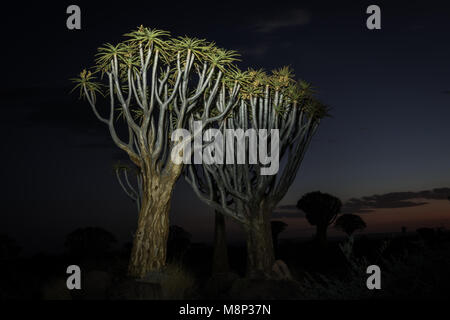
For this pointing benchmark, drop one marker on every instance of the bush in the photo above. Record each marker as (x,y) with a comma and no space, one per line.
(421,275)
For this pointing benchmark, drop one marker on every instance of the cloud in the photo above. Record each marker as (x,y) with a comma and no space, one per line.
(394,200)
(293,18)
(369,204)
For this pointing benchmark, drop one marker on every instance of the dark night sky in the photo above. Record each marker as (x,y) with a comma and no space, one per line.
(388,89)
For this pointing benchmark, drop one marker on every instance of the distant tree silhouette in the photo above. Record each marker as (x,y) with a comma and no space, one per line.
(178,243)
(277,227)
(321,210)
(89,242)
(349,223)
(8,248)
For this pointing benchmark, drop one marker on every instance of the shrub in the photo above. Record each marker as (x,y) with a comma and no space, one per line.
(177,283)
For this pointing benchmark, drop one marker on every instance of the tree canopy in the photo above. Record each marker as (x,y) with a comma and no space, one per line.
(349,223)
(320,208)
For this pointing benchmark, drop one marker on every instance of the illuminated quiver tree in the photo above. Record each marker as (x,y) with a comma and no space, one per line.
(240,191)
(155,84)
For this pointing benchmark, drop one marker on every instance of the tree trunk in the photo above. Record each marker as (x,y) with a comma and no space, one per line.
(321,235)
(220,255)
(260,255)
(275,244)
(150,242)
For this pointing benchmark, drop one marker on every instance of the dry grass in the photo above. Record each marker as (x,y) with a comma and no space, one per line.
(178,284)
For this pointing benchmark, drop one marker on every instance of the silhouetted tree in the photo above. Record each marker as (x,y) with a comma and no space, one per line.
(349,223)
(178,243)
(220,254)
(277,227)
(321,210)
(89,242)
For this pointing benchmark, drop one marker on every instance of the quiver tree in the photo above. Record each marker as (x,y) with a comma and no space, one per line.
(155,84)
(285,115)
(130,181)
(321,210)
(349,223)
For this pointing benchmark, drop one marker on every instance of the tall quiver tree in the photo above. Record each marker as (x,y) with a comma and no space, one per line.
(284,113)
(155,83)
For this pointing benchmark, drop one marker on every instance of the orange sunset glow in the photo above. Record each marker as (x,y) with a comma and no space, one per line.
(436,213)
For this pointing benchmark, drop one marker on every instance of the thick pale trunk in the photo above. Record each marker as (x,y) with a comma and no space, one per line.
(220,255)
(150,242)
(260,255)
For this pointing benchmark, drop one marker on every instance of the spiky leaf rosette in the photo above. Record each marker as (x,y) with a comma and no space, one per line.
(254,84)
(235,76)
(107,53)
(86,81)
(150,39)
(315,109)
(147,37)
(199,48)
(281,78)
(221,58)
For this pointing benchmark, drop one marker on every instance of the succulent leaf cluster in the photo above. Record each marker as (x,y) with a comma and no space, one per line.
(172,55)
